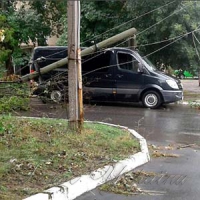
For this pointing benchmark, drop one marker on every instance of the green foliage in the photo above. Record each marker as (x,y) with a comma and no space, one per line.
(4,54)
(98,17)
(15,97)
(62,41)
(51,12)
(26,24)
(159,21)
(7,46)
(179,18)
(13,103)
(20,26)
(20,58)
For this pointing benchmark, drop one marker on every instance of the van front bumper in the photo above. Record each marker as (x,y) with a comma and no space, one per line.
(170,96)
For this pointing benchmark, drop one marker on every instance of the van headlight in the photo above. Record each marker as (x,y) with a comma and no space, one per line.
(172,84)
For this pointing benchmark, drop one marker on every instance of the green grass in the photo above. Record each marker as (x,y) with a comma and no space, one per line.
(40,153)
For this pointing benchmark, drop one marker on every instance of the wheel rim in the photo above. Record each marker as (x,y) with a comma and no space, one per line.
(56,96)
(151,100)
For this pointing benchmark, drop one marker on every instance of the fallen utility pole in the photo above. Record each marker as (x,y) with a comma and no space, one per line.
(106,43)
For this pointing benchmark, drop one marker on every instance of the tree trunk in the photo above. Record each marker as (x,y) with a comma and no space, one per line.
(9,66)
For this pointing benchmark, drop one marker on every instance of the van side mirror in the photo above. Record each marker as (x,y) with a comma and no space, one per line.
(140,67)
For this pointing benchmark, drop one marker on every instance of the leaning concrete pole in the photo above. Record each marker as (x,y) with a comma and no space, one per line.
(106,43)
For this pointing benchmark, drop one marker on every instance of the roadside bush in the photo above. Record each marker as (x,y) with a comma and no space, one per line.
(13,103)
(13,97)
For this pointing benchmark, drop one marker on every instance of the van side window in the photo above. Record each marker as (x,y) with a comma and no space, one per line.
(97,63)
(127,62)
(50,55)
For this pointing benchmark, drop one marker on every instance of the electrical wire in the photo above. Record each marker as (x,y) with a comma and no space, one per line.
(156,23)
(159,42)
(196,38)
(148,29)
(129,22)
(167,4)
(117,26)
(160,21)
(109,66)
(196,50)
(179,38)
(173,42)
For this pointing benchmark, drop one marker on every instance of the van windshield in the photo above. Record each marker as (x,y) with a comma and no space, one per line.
(148,64)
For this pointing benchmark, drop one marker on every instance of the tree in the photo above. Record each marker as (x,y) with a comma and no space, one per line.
(157,25)
(51,11)
(7,45)
(20,26)
(159,21)
(62,40)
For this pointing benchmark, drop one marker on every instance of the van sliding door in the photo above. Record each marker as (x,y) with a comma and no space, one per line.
(98,77)
(128,78)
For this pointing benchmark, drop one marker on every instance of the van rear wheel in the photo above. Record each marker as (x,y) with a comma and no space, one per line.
(151,99)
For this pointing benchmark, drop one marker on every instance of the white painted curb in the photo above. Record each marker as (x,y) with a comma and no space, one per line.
(77,186)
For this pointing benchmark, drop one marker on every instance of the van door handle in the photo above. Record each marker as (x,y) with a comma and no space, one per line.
(119,75)
(108,75)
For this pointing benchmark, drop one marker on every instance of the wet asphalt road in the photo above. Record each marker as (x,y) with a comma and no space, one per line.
(173,123)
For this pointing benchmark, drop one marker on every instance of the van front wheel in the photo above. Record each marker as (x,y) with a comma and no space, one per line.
(151,99)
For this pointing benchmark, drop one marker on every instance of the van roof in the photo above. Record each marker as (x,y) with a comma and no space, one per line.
(51,47)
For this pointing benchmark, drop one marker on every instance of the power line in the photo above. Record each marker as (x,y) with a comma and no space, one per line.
(160,21)
(167,4)
(196,50)
(173,41)
(196,38)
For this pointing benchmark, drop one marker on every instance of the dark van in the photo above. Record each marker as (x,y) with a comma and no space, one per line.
(117,75)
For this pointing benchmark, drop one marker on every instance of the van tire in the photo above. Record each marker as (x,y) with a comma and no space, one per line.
(151,99)
(56,96)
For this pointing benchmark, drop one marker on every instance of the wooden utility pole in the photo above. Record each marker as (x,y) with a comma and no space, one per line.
(74,66)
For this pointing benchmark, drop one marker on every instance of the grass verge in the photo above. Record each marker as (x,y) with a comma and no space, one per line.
(191,96)
(40,153)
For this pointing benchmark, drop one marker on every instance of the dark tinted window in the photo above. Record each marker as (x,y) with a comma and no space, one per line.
(127,62)
(99,62)
(51,55)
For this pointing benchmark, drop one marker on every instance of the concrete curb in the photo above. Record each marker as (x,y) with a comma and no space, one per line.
(77,186)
